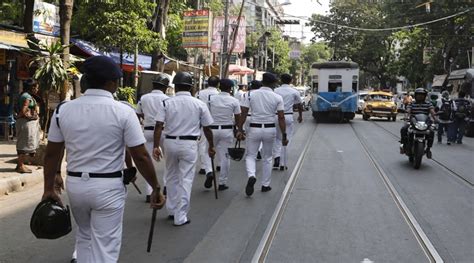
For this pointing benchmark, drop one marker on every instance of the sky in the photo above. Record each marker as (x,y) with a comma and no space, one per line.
(303,8)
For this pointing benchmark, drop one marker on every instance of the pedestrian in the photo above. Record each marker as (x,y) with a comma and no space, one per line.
(254,85)
(240,92)
(445,114)
(204,95)
(27,125)
(180,119)
(147,109)
(95,129)
(225,110)
(461,116)
(291,98)
(263,103)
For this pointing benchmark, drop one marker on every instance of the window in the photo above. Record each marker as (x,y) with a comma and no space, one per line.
(354,87)
(315,87)
(334,86)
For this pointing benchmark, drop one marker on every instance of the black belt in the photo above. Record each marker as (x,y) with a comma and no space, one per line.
(97,175)
(190,138)
(287,113)
(149,128)
(223,127)
(262,125)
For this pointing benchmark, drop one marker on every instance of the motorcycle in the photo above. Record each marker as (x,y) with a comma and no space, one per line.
(418,134)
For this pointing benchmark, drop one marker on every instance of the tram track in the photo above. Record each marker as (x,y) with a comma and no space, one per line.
(423,240)
(448,170)
(272,227)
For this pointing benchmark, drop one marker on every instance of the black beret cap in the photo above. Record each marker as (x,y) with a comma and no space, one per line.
(226,83)
(101,67)
(269,78)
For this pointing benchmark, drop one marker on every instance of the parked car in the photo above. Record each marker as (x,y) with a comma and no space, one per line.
(379,104)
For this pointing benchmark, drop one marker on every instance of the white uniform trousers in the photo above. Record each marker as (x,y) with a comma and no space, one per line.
(265,136)
(277,148)
(181,159)
(223,140)
(97,205)
(149,136)
(203,153)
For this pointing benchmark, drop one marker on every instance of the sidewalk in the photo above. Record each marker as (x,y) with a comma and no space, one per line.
(11,181)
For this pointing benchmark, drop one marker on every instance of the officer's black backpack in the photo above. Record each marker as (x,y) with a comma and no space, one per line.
(462,111)
(446,110)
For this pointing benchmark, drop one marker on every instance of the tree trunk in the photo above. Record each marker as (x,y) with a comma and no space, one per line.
(65,15)
(159,25)
(28,16)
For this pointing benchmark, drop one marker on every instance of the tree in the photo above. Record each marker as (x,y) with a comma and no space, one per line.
(65,14)
(50,70)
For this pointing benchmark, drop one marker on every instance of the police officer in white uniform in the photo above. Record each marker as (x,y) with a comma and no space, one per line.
(291,98)
(262,129)
(179,118)
(204,95)
(148,108)
(225,111)
(95,130)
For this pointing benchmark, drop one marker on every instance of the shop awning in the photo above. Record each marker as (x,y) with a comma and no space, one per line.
(144,61)
(8,47)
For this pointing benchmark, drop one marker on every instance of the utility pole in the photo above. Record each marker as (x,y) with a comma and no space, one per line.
(225,40)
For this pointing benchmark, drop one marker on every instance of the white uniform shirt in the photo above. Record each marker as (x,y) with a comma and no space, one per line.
(238,95)
(96,129)
(290,96)
(223,107)
(205,94)
(183,115)
(264,103)
(148,106)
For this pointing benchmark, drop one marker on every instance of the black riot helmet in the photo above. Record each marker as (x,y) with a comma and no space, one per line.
(161,81)
(183,79)
(420,95)
(236,153)
(50,220)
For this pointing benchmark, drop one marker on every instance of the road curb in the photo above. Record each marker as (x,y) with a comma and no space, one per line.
(20,182)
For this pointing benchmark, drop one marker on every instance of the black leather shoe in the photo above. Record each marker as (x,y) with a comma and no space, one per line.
(259,156)
(283,168)
(73,260)
(218,168)
(428,153)
(171,217)
(250,184)
(164,191)
(223,187)
(183,224)
(147,199)
(202,171)
(209,179)
(276,162)
(266,188)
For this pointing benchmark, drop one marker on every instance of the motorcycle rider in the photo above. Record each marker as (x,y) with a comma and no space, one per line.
(418,106)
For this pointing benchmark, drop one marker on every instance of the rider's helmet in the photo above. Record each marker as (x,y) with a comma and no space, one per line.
(445,94)
(420,95)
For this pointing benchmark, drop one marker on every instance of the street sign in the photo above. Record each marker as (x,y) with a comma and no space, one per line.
(197,29)
(218,29)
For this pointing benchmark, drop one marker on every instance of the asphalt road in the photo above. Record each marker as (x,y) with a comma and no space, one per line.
(339,210)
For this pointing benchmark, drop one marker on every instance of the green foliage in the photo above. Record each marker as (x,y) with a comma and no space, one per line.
(117,25)
(11,12)
(127,94)
(312,53)
(384,55)
(277,44)
(50,70)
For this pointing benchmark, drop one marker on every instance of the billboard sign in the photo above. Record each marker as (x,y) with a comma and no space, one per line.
(218,28)
(46,19)
(196,29)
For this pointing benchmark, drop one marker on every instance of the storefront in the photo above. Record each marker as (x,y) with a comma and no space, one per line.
(13,69)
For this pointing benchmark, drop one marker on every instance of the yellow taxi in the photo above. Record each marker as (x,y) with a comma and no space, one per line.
(379,104)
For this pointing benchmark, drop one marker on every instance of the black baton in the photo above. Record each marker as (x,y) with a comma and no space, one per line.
(152,228)
(214,175)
